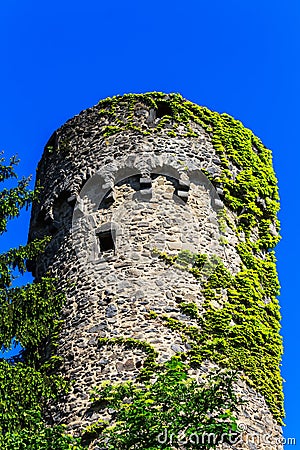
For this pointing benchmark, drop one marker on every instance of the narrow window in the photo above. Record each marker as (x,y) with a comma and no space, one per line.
(106,240)
(163,109)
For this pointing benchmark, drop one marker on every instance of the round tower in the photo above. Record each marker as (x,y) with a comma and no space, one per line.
(163,218)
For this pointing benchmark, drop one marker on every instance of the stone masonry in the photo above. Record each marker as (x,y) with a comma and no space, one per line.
(111,204)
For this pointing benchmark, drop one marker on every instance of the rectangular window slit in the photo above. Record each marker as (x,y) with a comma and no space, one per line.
(106,240)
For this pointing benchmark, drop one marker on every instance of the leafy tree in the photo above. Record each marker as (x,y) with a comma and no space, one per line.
(29,315)
(168,412)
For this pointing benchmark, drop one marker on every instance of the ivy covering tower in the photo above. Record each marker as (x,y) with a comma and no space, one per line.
(163,222)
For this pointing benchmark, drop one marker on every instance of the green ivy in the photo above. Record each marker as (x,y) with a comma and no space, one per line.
(149,365)
(159,413)
(243,332)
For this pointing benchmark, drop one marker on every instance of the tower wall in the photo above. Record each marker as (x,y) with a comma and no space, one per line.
(128,186)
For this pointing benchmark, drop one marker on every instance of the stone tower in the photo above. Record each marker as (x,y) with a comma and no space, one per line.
(135,189)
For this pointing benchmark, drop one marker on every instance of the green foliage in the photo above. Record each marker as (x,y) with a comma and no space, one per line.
(150,362)
(29,314)
(23,393)
(190,309)
(14,199)
(184,259)
(24,396)
(17,258)
(157,414)
(243,333)
(44,438)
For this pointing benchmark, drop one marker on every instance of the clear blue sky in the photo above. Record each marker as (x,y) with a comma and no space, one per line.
(234,56)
